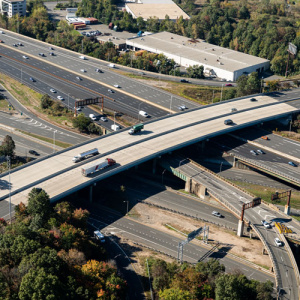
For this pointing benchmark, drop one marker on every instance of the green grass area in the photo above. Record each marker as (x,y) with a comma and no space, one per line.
(265,193)
(48,140)
(3,104)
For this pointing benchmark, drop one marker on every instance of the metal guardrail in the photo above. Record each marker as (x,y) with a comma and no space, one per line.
(272,257)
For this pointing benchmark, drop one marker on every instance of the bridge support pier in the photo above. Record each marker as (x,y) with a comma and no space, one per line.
(203,192)
(240,228)
(287,210)
(154,166)
(188,185)
(91,194)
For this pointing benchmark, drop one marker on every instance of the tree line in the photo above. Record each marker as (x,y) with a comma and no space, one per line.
(47,253)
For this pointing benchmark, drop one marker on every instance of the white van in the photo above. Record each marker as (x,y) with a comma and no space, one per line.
(82,57)
(112,65)
(92,117)
(143,113)
(115,127)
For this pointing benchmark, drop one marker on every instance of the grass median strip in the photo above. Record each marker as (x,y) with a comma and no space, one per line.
(48,140)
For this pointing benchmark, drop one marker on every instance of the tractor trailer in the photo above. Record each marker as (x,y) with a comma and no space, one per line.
(136,128)
(97,166)
(84,155)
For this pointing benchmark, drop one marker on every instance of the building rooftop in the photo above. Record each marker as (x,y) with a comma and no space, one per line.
(12,1)
(112,39)
(196,50)
(159,10)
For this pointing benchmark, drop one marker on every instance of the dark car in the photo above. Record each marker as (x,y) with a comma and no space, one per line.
(32,79)
(292,164)
(253,100)
(42,54)
(33,152)
(184,80)
(228,84)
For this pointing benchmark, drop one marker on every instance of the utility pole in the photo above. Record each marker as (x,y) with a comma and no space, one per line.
(9,186)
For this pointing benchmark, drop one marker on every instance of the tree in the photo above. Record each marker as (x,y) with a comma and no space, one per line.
(39,205)
(4,288)
(159,272)
(195,71)
(253,83)
(37,284)
(174,294)
(8,146)
(46,101)
(81,122)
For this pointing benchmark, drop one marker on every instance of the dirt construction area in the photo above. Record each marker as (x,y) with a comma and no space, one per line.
(246,248)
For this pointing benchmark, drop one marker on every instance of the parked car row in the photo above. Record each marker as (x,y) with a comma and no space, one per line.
(91,33)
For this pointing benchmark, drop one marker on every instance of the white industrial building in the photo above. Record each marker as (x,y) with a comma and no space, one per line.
(13,7)
(155,8)
(217,61)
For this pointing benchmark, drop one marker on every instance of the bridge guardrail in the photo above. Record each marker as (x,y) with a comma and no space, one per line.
(247,160)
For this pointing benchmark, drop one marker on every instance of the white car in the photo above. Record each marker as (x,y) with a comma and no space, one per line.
(24,56)
(60,98)
(83,70)
(253,152)
(78,108)
(103,119)
(52,90)
(260,151)
(82,57)
(278,242)
(266,224)
(216,214)
(116,86)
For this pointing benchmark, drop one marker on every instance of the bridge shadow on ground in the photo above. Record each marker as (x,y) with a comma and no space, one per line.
(219,254)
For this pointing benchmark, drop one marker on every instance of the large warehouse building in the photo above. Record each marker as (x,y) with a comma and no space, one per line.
(217,61)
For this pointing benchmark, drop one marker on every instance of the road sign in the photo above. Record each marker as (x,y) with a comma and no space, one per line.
(292,49)
(194,233)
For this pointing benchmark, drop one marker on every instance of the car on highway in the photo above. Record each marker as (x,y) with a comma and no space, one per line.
(82,70)
(184,80)
(264,137)
(103,119)
(78,78)
(116,86)
(253,100)
(259,151)
(233,109)
(291,163)
(99,71)
(77,108)
(52,90)
(24,56)
(111,91)
(51,48)
(266,224)
(33,152)
(182,107)
(253,152)
(82,57)
(228,84)
(216,214)
(15,45)
(60,98)
(228,122)
(51,54)
(32,79)
(278,242)
(42,54)
(92,117)
(20,44)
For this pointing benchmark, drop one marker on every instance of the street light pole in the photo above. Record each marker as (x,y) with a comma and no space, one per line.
(162,176)
(290,126)
(127,206)
(54,141)
(9,187)
(181,162)
(222,92)
(221,167)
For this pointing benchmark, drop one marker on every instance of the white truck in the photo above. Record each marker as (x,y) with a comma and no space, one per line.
(112,65)
(115,127)
(97,166)
(143,113)
(85,154)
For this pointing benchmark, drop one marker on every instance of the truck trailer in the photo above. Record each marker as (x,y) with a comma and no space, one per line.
(97,166)
(85,154)
(136,128)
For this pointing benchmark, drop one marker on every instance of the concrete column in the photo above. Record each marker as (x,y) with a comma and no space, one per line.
(287,210)
(234,162)
(188,184)
(240,230)
(154,166)
(203,192)
(91,194)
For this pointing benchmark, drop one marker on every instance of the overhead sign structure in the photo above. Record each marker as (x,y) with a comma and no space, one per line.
(89,101)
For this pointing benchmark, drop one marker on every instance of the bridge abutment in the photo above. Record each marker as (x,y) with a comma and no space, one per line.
(287,210)
(240,230)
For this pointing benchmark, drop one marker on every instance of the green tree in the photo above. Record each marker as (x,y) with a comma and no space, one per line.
(37,284)
(174,294)
(81,122)
(8,146)
(4,288)
(159,272)
(253,83)
(46,101)
(195,71)
(39,205)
